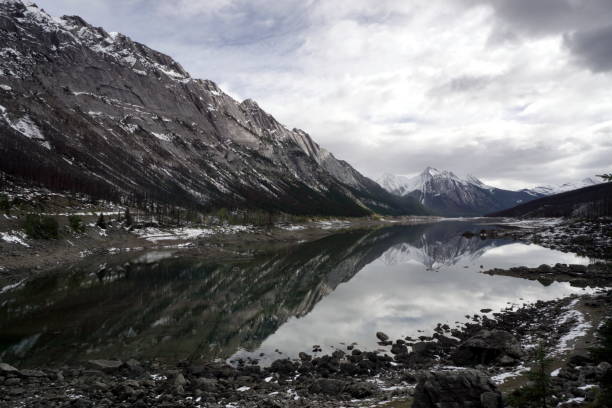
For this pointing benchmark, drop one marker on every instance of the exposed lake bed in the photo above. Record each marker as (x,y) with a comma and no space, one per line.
(415,284)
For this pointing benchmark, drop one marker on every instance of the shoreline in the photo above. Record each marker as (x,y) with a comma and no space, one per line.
(21,258)
(350,377)
(346,377)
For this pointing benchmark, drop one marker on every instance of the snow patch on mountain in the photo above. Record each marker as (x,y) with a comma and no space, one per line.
(552,189)
(447,194)
(402,185)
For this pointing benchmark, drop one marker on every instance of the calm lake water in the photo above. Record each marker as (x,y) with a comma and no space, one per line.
(339,290)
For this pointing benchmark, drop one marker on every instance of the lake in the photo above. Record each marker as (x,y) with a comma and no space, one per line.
(339,290)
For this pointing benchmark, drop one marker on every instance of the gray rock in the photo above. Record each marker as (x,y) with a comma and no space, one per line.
(328,386)
(488,347)
(304,356)
(180,380)
(361,390)
(32,373)
(399,349)
(382,336)
(8,369)
(207,384)
(105,365)
(459,389)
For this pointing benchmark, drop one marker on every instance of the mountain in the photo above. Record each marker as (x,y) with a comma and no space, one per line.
(561,188)
(95,112)
(447,194)
(595,200)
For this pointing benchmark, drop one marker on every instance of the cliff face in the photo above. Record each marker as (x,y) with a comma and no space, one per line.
(96,112)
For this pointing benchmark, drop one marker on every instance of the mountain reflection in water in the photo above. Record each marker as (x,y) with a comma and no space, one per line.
(342,288)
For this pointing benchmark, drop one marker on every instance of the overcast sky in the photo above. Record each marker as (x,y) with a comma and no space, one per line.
(517,92)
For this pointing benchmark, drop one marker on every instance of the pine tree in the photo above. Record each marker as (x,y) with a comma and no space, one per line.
(128,217)
(606,177)
(536,394)
(101,221)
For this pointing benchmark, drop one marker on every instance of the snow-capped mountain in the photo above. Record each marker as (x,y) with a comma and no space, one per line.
(562,188)
(445,193)
(96,112)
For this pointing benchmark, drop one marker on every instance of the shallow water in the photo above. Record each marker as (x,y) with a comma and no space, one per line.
(339,290)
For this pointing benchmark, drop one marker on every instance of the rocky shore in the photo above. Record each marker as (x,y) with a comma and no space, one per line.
(594,275)
(472,363)
(477,364)
(590,238)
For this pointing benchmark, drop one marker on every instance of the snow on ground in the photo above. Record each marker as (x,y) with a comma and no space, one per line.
(156,234)
(534,222)
(155,256)
(291,227)
(14,237)
(162,136)
(501,378)
(577,400)
(579,329)
(11,287)
(333,224)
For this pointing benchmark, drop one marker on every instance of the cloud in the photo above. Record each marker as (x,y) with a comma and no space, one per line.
(593,48)
(584,25)
(497,88)
(549,17)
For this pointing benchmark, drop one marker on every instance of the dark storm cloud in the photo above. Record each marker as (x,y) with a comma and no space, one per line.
(540,17)
(584,25)
(592,48)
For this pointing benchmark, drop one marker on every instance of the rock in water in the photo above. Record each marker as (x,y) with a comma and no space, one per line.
(458,389)
(382,336)
(488,347)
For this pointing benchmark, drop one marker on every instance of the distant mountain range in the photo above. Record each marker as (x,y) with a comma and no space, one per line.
(94,112)
(447,194)
(591,201)
(561,188)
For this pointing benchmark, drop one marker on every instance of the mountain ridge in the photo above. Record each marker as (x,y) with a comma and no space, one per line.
(590,201)
(447,194)
(95,112)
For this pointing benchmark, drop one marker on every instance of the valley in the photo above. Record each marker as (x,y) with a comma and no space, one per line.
(167,242)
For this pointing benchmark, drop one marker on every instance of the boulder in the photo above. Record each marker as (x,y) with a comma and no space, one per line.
(105,365)
(283,366)
(399,349)
(304,357)
(456,389)
(361,390)
(327,386)
(382,336)
(488,347)
(8,369)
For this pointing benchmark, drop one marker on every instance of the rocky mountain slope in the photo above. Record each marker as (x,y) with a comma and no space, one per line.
(445,193)
(85,110)
(592,201)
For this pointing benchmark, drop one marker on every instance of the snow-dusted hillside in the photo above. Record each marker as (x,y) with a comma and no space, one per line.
(561,188)
(446,193)
(96,112)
